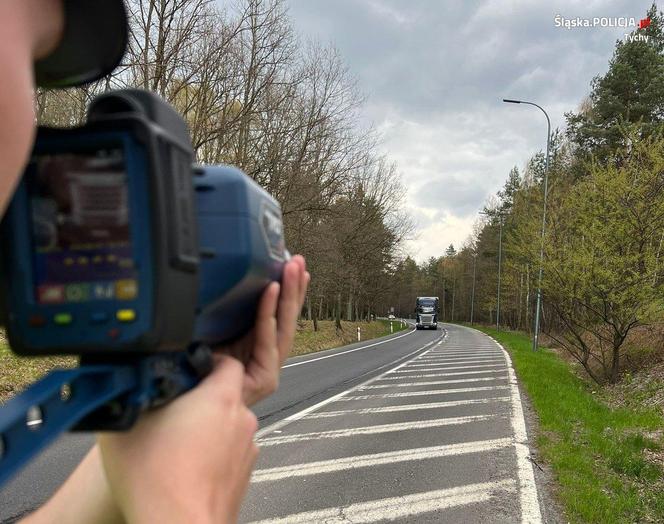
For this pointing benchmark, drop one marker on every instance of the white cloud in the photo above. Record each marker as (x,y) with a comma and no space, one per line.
(435,74)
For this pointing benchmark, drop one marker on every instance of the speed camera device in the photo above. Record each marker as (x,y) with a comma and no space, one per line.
(115,244)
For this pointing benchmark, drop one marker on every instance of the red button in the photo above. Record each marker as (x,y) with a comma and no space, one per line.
(36,321)
(113,333)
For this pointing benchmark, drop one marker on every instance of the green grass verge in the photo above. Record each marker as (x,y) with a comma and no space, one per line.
(604,459)
(18,372)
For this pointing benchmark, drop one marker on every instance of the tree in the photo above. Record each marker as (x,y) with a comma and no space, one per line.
(602,256)
(631,91)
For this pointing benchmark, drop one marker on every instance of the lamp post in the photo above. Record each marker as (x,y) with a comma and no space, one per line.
(546,187)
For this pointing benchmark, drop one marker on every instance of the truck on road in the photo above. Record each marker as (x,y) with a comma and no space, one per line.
(426,313)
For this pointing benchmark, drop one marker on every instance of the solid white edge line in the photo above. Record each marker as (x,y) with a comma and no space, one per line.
(346,352)
(531,512)
(296,416)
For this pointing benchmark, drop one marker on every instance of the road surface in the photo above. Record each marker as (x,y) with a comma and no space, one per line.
(424,426)
(439,436)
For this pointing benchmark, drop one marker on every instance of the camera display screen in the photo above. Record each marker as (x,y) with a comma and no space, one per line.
(81,236)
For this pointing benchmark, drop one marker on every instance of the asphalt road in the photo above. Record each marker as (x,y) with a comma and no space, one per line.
(423,426)
(436,435)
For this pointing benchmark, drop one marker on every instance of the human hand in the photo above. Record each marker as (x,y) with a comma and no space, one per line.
(265,348)
(191,460)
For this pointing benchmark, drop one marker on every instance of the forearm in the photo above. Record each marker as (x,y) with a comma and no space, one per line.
(85,497)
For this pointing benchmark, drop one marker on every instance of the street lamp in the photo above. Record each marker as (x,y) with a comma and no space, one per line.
(546,187)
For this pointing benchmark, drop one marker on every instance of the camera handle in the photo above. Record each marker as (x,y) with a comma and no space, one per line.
(93,397)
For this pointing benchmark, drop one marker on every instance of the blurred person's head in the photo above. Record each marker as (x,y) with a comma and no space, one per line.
(49,43)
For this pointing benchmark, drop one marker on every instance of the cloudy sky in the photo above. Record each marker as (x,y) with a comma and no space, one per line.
(435,72)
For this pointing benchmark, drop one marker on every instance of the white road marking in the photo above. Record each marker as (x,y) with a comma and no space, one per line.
(297,416)
(373,430)
(471,369)
(469,356)
(423,393)
(431,367)
(455,373)
(464,355)
(429,383)
(432,356)
(530,508)
(430,363)
(346,352)
(400,507)
(406,407)
(465,346)
(377,459)
(459,359)
(465,349)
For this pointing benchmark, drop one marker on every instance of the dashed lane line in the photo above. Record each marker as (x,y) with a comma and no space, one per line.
(401,507)
(406,407)
(373,430)
(430,392)
(377,459)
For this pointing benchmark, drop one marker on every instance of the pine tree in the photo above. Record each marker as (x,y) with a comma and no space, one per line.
(631,91)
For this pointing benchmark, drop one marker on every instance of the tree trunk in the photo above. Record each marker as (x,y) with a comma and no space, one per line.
(315,320)
(308,306)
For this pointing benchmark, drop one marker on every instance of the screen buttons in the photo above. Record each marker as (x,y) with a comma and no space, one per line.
(36,321)
(63,319)
(126,315)
(77,292)
(126,289)
(103,290)
(49,294)
(99,317)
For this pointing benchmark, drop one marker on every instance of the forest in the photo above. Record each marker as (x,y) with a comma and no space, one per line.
(286,111)
(602,270)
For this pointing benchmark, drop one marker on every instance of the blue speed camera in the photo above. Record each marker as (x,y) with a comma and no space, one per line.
(115,245)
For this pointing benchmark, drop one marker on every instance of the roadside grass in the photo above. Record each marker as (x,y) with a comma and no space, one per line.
(601,456)
(308,341)
(18,372)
